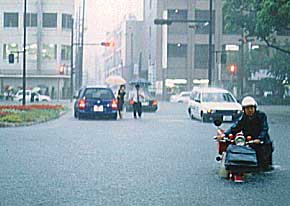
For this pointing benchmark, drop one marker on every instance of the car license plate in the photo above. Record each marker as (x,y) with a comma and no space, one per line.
(227,118)
(98,108)
(145,103)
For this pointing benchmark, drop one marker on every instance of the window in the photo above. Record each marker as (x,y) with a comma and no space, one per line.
(177,50)
(31,51)
(201,56)
(94,93)
(8,49)
(65,52)
(10,19)
(49,51)
(66,21)
(204,15)
(31,20)
(49,20)
(178,14)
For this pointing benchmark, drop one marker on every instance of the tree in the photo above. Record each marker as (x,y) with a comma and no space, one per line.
(259,18)
(277,66)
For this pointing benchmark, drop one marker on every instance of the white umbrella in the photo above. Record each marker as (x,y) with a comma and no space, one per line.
(115,80)
(36,89)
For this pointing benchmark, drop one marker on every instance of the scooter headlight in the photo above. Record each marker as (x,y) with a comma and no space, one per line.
(240,140)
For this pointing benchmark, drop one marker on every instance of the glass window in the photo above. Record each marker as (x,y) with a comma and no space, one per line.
(177,50)
(49,20)
(49,51)
(65,52)
(31,20)
(178,14)
(31,51)
(10,19)
(102,93)
(66,21)
(217,97)
(8,49)
(201,56)
(204,15)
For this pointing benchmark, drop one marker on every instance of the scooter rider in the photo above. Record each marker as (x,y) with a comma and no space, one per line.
(254,123)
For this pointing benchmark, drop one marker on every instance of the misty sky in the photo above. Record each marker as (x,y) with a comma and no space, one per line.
(102,15)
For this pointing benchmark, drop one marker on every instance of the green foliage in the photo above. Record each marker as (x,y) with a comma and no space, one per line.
(259,18)
(17,116)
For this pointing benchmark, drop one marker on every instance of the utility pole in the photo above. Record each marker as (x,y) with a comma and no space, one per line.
(210,45)
(72,60)
(82,46)
(24,55)
(132,63)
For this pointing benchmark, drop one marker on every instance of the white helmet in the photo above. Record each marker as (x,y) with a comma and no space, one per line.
(249,101)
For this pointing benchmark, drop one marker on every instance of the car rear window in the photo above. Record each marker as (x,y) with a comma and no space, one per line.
(217,97)
(98,93)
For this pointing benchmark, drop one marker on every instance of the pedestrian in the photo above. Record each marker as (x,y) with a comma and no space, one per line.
(120,98)
(137,106)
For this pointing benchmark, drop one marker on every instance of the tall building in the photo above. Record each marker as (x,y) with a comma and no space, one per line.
(126,57)
(48,44)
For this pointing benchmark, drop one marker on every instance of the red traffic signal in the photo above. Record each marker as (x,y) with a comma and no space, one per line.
(232,69)
(108,44)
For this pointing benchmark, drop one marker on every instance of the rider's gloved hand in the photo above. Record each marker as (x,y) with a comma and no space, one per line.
(257,141)
(220,137)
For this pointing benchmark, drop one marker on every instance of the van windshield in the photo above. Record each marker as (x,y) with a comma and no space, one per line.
(217,97)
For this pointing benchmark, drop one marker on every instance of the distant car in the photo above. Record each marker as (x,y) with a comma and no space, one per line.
(149,104)
(37,97)
(183,97)
(207,104)
(95,101)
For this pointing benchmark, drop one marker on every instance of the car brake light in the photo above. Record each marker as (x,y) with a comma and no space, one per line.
(82,104)
(155,102)
(114,104)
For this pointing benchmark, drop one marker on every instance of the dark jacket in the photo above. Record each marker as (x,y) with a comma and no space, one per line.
(256,126)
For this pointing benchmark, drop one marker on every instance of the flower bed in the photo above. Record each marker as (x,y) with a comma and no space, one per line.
(15,115)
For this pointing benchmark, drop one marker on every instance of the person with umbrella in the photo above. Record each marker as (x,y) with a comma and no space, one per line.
(137,106)
(120,98)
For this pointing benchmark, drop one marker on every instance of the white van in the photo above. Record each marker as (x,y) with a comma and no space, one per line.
(206,104)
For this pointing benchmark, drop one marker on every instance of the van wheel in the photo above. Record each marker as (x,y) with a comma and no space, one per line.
(203,118)
(190,113)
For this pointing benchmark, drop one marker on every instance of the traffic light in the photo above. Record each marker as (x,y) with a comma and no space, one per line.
(232,69)
(108,44)
(11,58)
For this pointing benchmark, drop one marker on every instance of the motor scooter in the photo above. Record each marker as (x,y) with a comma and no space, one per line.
(236,156)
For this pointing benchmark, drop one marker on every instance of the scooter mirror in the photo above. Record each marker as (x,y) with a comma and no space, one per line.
(218,122)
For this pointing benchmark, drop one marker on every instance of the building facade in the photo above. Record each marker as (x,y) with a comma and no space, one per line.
(48,44)
(126,57)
